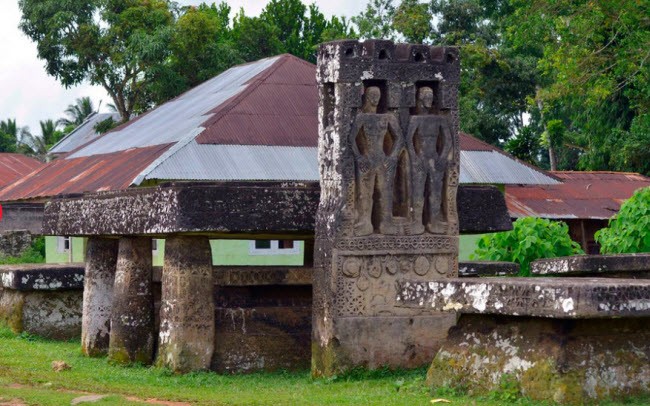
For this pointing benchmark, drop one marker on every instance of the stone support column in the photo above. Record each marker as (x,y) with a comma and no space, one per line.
(132,317)
(389,167)
(187,318)
(101,259)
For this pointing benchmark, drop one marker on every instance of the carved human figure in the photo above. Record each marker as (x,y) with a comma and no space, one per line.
(376,140)
(429,143)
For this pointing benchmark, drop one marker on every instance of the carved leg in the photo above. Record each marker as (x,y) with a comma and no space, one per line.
(132,319)
(385,181)
(365,189)
(186,340)
(437,223)
(101,259)
(419,178)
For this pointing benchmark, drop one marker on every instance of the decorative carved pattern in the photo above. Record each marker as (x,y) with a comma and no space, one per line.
(425,243)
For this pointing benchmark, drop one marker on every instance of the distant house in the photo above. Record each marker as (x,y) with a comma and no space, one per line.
(584,200)
(253,122)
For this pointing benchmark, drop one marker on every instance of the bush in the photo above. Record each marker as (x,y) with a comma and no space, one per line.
(34,255)
(530,239)
(629,230)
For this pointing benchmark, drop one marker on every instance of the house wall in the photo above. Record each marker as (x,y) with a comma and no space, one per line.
(224,252)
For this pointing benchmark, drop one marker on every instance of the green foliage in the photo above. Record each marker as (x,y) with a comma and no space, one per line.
(530,239)
(112,43)
(629,230)
(105,125)
(509,390)
(34,255)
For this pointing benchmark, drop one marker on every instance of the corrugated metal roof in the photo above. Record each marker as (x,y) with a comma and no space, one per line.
(112,171)
(253,122)
(583,195)
(239,162)
(83,134)
(174,120)
(495,167)
(14,166)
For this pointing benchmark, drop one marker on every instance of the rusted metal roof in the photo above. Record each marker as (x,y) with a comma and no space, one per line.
(112,171)
(582,195)
(15,166)
(256,121)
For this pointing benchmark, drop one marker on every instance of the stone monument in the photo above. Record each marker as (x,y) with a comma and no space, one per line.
(389,168)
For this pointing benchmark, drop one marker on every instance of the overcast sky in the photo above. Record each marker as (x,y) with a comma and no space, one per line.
(28,94)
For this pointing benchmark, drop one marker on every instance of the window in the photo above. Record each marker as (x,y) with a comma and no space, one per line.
(154,246)
(62,244)
(274,247)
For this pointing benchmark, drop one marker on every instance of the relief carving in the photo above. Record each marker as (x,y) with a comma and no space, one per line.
(376,140)
(429,142)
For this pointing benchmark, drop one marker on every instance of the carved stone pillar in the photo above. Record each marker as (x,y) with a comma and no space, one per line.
(187,319)
(101,259)
(132,318)
(389,167)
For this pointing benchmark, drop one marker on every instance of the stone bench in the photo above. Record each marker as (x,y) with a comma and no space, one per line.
(611,266)
(487,268)
(568,340)
(42,299)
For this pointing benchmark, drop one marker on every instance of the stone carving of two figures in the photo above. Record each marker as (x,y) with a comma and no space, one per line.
(378,144)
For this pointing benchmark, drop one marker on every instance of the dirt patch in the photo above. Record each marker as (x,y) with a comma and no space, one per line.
(153,401)
(12,402)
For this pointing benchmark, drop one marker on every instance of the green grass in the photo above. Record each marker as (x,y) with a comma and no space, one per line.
(26,374)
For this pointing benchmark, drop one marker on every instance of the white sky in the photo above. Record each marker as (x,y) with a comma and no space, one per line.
(29,95)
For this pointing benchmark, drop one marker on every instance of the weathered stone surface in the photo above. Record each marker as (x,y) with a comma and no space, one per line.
(29,277)
(482,209)
(187,320)
(101,262)
(566,361)
(605,265)
(566,298)
(389,164)
(22,216)
(287,209)
(132,319)
(55,315)
(487,268)
(270,338)
(262,275)
(198,208)
(14,243)
(262,328)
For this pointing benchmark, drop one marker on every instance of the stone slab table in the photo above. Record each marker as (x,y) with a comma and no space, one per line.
(568,340)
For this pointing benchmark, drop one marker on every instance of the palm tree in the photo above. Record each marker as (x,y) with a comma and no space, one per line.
(9,133)
(49,132)
(77,113)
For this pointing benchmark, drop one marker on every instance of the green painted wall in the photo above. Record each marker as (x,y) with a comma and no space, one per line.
(53,256)
(224,252)
(467,245)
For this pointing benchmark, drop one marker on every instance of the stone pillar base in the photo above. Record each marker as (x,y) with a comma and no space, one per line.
(132,319)
(566,361)
(101,259)
(187,319)
(410,342)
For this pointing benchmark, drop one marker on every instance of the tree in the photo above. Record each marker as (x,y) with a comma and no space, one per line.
(77,113)
(12,136)
(112,43)
(376,21)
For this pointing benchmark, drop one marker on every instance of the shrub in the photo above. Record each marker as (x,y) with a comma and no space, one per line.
(34,255)
(629,230)
(530,239)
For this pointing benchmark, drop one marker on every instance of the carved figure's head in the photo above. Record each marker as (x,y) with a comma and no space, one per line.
(425,99)
(371,99)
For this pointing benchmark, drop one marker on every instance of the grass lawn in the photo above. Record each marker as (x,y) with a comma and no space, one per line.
(26,377)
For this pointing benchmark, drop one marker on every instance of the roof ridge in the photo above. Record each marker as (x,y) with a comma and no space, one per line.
(224,108)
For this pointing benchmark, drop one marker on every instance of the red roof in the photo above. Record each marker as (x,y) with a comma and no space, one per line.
(14,166)
(469,143)
(95,173)
(583,195)
(279,108)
